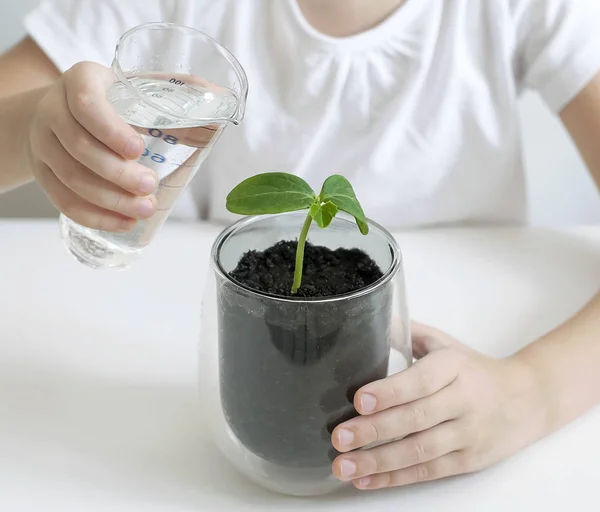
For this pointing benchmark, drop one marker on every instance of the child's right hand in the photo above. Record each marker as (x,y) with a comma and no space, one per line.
(83,154)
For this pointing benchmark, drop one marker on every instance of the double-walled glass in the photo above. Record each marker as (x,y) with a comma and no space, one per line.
(279,373)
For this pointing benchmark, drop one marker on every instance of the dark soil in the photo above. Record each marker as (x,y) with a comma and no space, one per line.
(289,369)
(326,272)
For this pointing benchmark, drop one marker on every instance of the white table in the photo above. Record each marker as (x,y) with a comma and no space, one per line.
(99,409)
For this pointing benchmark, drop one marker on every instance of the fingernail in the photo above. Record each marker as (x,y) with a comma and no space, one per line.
(145,208)
(134,147)
(364,481)
(345,436)
(348,467)
(368,402)
(147,184)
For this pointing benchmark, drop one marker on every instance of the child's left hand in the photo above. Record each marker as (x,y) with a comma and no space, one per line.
(457,411)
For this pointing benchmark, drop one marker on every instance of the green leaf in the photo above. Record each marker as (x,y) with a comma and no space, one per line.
(339,191)
(323,214)
(271,192)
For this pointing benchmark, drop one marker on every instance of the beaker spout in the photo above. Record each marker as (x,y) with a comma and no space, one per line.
(238,115)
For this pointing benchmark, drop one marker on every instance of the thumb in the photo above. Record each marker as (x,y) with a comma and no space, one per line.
(426,339)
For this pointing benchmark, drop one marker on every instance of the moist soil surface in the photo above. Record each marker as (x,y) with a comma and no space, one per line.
(326,272)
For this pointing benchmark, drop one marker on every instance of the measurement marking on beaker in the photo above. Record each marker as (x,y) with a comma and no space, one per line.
(158,134)
(183,166)
(156,157)
(172,187)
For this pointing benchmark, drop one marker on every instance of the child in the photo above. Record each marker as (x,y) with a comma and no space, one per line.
(415,101)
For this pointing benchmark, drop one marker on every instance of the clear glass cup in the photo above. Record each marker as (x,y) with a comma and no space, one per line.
(179,89)
(277,374)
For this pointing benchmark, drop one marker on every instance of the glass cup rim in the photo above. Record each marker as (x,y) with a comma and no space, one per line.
(239,225)
(165,25)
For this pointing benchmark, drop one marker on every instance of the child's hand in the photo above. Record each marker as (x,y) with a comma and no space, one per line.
(83,154)
(457,411)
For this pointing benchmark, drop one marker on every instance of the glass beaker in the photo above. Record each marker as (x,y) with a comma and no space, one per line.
(179,89)
(278,374)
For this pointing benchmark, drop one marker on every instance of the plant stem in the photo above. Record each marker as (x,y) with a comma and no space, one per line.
(300,254)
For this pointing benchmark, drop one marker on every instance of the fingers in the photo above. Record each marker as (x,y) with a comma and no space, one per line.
(426,339)
(76,208)
(82,153)
(84,148)
(425,377)
(413,450)
(448,465)
(86,86)
(91,187)
(397,422)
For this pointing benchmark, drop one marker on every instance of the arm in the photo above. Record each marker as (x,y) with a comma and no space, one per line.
(26,75)
(566,363)
(457,411)
(581,117)
(567,360)
(62,131)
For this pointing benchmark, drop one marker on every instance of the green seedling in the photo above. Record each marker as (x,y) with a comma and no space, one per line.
(278,192)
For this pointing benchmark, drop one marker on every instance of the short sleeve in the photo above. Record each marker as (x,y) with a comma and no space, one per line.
(558,47)
(71,31)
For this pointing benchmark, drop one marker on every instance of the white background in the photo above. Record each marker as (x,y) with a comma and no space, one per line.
(552,161)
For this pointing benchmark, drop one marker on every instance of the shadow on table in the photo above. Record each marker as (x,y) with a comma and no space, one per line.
(141,442)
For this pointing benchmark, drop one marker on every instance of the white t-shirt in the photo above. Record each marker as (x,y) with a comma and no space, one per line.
(420,112)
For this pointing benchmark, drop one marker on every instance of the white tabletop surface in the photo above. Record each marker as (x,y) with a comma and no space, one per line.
(99,408)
